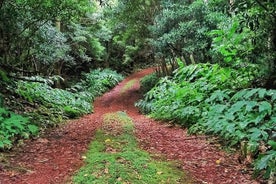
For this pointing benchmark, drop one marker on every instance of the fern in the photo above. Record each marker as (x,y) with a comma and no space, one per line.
(69,103)
(13,127)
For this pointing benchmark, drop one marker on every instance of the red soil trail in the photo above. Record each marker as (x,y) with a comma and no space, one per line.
(53,158)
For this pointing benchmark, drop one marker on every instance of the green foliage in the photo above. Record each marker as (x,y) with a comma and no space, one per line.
(1,100)
(214,100)
(48,96)
(125,34)
(148,82)
(180,29)
(72,112)
(232,33)
(85,42)
(191,85)
(49,47)
(3,76)
(128,85)
(267,161)
(233,47)
(50,37)
(98,81)
(246,115)
(14,127)
(71,103)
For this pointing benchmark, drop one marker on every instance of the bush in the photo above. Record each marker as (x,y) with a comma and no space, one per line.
(56,104)
(148,82)
(49,97)
(247,116)
(214,100)
(98,81)
(188,89)
(14,127)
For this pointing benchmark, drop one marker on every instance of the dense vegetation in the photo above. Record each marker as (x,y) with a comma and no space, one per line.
(50,106)
(214,100)
(216,58)
(233,97)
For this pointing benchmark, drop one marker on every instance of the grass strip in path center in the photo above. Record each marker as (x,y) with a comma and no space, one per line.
(114,157)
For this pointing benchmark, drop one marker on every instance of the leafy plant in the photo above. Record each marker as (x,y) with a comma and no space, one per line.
(148,82)
(234,47)
(48,96)
(182,97)
(248,115)
(98,81)
(57,104)
(14,127)
(214,100)
(266,161)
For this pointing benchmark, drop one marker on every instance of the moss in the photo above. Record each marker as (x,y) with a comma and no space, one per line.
(116,158)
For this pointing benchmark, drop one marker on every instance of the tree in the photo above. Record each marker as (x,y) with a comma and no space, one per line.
(248,36)
(181,29)
(23,23)
(127,41)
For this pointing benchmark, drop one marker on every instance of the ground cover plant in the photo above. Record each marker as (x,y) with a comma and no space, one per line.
(14,127)
(70,103)
(148,82)
(214,100)
(114,157)
(128,85)
(52,105)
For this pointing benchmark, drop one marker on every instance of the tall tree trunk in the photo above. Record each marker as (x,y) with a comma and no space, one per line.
(59,64)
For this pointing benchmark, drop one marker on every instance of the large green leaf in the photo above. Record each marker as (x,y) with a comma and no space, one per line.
(265,159)
(237,106)
(250,105)
(272,144)
(264,106)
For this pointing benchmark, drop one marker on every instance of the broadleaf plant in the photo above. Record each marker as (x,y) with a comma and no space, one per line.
(210,99)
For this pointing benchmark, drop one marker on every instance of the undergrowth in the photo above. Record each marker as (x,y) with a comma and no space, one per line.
(148,82)
(58,104)
(14,127)
(44,106)
(211,99)
(114,157)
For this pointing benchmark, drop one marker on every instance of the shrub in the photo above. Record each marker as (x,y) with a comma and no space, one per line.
(14,127)
(249,116)
(148,82)
(47,96)
(56,104)
(214,100)
(98,81)
(182,97)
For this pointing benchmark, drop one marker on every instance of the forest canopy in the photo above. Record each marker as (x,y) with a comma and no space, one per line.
(65,37)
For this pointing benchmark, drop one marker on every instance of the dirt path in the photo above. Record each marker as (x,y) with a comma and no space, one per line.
(55,157)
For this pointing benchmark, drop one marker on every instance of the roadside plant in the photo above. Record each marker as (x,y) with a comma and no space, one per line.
(14,127)
(71,103)
(215,100)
